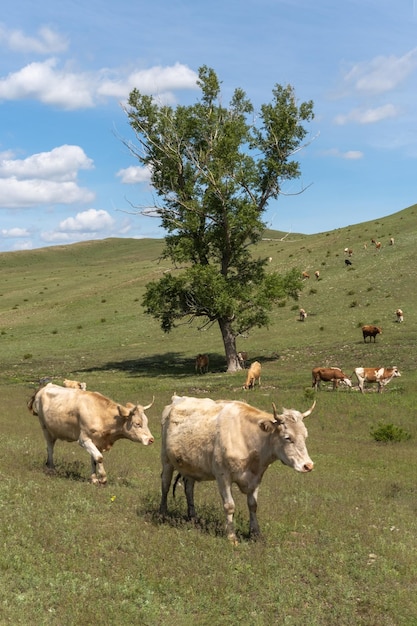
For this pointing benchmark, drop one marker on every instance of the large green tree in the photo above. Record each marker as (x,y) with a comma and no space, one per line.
(214,168)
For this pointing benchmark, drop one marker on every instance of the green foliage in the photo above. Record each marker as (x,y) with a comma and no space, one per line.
(215,171)
(389,432)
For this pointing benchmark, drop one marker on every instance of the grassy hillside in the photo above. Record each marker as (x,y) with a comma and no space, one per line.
(338,545)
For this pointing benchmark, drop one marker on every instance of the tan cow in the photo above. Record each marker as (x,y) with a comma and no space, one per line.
(305,275)
(74,384)
(230,442)
(303,315)
(370,331)
(329,374)
(93,420)
(202,363)
(379,375)
(317,274)
(400,315)
(254,374)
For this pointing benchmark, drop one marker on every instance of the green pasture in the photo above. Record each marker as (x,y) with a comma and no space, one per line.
(338,545)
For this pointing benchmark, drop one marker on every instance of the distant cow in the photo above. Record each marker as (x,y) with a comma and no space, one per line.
(317,274)
(329,374)
(370,331)
(305,275)
(242,358)
(93,420)
(202,363)
(348,251)
(378,245)
(303,315)
(254,374)
(379,375)
(347,262)
(229,442)
(391,241)
(74,384)
(400,315)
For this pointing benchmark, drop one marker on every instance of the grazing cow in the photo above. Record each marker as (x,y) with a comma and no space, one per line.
(254,374)
(391,241)
(380,375)
(370,331)
(378,245)
(93,420)
(74,384)
(202,363)
(348,251)
(242,358)
(329,374)
(400,315)
(230,442)
(317,274)
(347,262)
(303,315)
(305,275)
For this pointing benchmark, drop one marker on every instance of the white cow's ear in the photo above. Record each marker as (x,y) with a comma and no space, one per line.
(124,411)
(267,426)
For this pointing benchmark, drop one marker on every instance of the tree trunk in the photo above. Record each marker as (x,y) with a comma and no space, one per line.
(229,341)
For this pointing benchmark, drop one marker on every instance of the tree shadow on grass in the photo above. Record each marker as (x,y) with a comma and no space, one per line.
(168,364)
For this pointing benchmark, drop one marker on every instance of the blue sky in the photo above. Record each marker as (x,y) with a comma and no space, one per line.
(65,73)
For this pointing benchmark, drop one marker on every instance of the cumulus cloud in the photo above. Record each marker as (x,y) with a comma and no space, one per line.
(47,41)
(14,232)
(63,88)
(44,82)
(368,116)
(134,174)
(381,74)
(85,225)
(44,178)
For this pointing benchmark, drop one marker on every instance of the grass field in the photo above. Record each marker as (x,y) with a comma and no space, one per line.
(338,545)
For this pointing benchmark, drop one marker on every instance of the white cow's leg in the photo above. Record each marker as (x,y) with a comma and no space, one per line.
(98,473)
(225,489)
(252,500)
(166,478)
(189,494)
(50,443)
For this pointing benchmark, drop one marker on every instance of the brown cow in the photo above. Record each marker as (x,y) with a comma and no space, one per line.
(202,363)
(380,375)
(370,331)
(93,420)
(329,374)
(305,275)
(254,374)
(74,384)
(230,442)
(242,358)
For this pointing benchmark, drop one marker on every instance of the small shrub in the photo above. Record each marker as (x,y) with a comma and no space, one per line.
(354,304)
(312,292)
(351,292)
(27,356)
(55,332)
(389,432)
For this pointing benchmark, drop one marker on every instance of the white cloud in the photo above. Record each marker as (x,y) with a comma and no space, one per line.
(85,225)
(60,164)
(350,155)
(44,178)
(87,221)
(46,42)
(134,174)
(14,232)
(382,74)
(368,116)
(156,80)
(69,90)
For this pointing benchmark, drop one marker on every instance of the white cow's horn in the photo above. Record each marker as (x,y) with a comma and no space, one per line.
(148,406)
(307,413)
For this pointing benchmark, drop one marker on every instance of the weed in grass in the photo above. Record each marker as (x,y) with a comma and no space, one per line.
(389,433)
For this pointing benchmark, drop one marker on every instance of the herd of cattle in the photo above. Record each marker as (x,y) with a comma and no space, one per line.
(227,441)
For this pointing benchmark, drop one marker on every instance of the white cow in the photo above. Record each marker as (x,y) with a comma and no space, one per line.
(230,442)
(93,420)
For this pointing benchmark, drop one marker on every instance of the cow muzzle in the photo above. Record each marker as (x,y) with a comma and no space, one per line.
(307,467)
